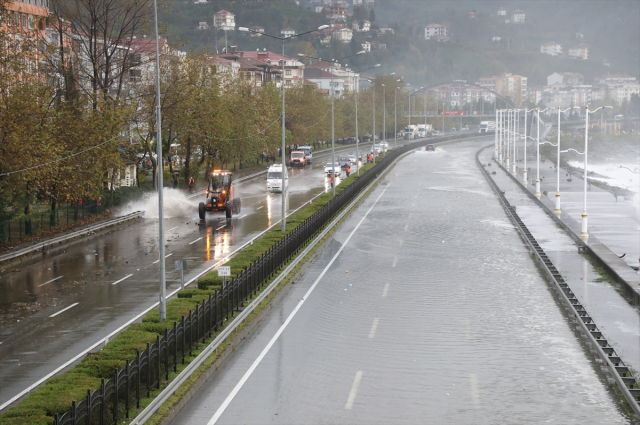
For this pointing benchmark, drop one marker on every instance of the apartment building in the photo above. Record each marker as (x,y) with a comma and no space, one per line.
(23,26)
(580,51)
(507,85)
(224,20)
(551,48)
(434,30)
(565,79)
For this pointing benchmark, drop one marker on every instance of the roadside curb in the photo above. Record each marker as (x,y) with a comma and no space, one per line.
(58,241)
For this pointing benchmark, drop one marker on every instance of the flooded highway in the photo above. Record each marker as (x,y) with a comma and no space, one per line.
(424,307)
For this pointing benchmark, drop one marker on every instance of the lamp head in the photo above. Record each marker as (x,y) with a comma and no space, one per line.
(393,73)
(376,65)
(301,55)
(322,27)
(608,107)
(245,29)
(361,52)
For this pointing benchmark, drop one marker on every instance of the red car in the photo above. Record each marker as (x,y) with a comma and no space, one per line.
(429,148)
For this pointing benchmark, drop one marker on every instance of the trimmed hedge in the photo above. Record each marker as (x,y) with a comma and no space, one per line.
(56,395)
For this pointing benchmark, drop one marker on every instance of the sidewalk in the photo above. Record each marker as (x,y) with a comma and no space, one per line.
(614,227)
(607,302)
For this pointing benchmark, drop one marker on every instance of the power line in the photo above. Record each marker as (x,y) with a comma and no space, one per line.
(58,160)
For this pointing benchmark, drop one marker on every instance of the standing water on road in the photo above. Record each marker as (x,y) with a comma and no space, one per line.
(433,312)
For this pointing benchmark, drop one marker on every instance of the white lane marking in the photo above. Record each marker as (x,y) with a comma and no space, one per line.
(401,242)
(354,390)
(166,256)
(244,215)
(395,261)
(224,225)
(118,281)
(266,349)
(374,326)
(172,228)
(195,241)
(49,281)
(64,309)
(386,289)
(475,395)
(259,208)
(406,226)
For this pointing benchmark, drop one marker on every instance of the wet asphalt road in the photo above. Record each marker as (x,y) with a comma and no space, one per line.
(442,318)
(102,282)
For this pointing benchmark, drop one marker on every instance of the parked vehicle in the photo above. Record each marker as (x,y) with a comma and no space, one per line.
(308,152)
(298,159)
(274,178)
(332,167)
(220,195)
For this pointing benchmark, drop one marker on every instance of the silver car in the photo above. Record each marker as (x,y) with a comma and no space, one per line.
(352,158)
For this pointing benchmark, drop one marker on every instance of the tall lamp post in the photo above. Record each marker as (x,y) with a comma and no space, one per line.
(333,89)
(161,263)
(524,171)
(283,151)
(584,234)
(395,114)
(558,211)
(356,98)
(538,194)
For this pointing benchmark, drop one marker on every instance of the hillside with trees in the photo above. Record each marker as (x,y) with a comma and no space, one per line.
(611,29)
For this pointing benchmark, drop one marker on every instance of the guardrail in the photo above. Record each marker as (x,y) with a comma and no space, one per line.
(44,245)
(620,372)
(116,396)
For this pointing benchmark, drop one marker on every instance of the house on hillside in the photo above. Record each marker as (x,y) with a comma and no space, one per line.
(224,20)
(502,12)
(565,79)
(433,30)
(580,51)
(551,48)
(335,13)
(287,32)
(366,46)
(507,84)
(517,17)
(202,26)
(344,35)
(256,31)
(386,31)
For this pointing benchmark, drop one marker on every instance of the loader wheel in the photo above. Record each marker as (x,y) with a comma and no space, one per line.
(237,205)
(228,209)
(201,211)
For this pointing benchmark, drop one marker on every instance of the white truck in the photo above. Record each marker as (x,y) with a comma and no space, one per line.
(423,130)
(410,132)
(487,126)
(274,178)
(307,152)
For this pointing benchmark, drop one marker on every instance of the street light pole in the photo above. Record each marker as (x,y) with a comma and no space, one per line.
(516,128)
(284,167)
(161,263)
(373,94)
(384,112)
(538,154)
(524,172)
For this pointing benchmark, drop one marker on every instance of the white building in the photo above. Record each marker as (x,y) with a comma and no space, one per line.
(288,32)
(565,79)
(551,48)
(366,26)
(433,30)
(624,92)
(224,20)
(517,17)
(613,80)
(580,51)
(202,26)
(502,12)
(344,35)
(366,46)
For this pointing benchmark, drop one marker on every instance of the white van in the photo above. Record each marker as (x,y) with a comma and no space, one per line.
(274,178)
(307,152)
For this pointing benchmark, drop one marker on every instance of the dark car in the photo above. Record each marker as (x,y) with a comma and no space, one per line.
(429,148)
(344,161)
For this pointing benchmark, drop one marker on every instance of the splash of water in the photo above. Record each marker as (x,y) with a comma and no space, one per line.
(176,204)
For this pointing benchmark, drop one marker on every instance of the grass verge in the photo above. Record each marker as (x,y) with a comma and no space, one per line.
(56,395)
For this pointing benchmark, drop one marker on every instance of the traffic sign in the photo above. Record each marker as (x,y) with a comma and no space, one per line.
(224,271)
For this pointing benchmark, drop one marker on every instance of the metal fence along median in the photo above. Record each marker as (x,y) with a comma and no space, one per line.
(119,390)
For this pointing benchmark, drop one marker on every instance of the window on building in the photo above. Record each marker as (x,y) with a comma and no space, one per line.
(288,72)
(32,22)
(16,17)
(288,82)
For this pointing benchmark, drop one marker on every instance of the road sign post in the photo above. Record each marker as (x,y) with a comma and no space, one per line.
(182,266)
(224,271)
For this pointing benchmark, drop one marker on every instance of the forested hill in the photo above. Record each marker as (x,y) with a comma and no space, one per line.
(611,29)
